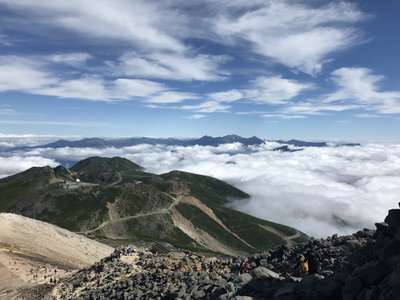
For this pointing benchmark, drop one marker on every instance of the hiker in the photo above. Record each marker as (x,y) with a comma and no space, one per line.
(236,268)
(302,265)
(313,263)
(245,266)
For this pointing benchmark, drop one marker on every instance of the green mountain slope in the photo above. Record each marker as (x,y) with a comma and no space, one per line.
(114,200)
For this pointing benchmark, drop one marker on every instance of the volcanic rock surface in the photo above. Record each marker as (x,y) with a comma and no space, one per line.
(362,266)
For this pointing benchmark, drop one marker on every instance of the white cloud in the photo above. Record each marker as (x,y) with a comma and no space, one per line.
(97,89)
(53,123)
(165,30)
(73,59)
(88,88)
(138,22)
(14,140)
(311,190)
(317,108)
(367,116)
(195,117)
(127,88)
(207,107)
(20,74)
(362,86)
(277,27)
(172,66)
(171,97)
(283,116)
(34,77)
(227,96)
(275,89)
(15,164)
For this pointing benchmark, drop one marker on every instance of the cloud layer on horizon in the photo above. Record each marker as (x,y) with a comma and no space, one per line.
(318,190)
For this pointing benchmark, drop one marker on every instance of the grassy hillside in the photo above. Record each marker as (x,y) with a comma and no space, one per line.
(211,190)
(117,201)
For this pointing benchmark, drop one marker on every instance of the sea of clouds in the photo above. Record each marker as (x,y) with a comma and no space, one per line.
(320,191)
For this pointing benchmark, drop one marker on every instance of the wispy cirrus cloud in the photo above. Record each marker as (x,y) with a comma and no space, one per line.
(264,90)
(140,23)
(23,74)
(206,56)
(315,32)
(73,59)
(29,75)
(318,108)
(362,86)
(172,66)
(54,123)
(282,116)
(275,89)
(207,107)
(195,117)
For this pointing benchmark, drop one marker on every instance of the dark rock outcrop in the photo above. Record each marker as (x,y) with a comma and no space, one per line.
(362,266)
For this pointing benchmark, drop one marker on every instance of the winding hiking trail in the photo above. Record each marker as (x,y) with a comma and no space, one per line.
(282,235)
(195,234)
(140,215)
(116,182)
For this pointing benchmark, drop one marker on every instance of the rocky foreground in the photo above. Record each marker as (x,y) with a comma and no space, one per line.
(365,265)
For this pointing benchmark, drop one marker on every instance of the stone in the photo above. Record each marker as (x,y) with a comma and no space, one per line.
(352,288)
(393,218)
(245,278)
(264,273)
(372,272)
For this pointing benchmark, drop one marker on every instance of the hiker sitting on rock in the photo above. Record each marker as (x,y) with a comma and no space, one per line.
(302,265)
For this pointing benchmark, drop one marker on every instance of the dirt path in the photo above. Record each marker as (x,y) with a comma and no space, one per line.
(201,238)
(116,182)
(140,215)
(288,239)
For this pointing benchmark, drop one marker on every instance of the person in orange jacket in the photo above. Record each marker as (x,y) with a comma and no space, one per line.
(302,265)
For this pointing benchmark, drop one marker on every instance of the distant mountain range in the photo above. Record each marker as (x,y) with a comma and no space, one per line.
(114,201)
(126,142)
(206,140)
(298,143)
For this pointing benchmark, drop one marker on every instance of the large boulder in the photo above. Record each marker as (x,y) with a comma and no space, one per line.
(393,218)
(264,273)
(371,273)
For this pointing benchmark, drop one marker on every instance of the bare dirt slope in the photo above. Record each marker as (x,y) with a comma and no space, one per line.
(34,252)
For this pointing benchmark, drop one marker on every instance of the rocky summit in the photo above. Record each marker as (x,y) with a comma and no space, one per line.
(362,266)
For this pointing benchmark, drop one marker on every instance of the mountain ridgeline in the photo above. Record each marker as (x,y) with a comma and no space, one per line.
(101,143)
(115,201)
(127,142)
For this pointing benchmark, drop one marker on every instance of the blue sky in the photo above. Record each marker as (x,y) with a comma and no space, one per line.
(276,69)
